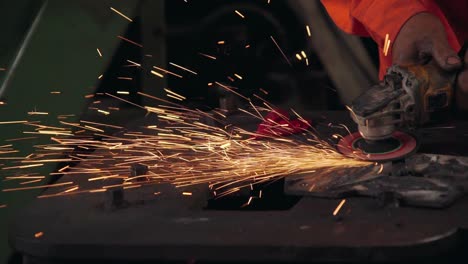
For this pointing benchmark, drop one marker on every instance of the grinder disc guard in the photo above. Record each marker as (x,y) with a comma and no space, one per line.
(397,146)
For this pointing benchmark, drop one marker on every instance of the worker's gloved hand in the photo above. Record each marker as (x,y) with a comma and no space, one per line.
(423,38)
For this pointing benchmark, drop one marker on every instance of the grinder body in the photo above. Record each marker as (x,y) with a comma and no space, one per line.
(406,98)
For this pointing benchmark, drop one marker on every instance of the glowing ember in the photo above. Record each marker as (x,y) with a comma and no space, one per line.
(339,207)
(120,13)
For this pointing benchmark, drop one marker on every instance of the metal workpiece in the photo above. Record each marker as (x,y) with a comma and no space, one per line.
(424,180)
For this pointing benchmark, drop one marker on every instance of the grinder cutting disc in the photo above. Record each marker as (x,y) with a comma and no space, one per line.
(397,146)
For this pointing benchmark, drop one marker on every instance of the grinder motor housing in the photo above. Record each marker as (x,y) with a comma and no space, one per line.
(406,98)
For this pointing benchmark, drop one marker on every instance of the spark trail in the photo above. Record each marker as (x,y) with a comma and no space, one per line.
(180,148)
(184,147)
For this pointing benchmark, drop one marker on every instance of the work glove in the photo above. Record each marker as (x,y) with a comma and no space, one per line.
(423,38)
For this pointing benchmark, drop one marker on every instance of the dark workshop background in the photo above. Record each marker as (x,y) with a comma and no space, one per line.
(51,46)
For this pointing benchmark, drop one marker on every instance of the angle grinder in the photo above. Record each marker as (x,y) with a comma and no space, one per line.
(407,98)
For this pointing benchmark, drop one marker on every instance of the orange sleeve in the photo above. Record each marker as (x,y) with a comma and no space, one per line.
(373,18)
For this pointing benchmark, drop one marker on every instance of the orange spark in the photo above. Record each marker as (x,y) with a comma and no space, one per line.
(64,168)
(386,44)
(279,48)
(122,15)
(339,207)
(238,76)
(240,14)
(72,189)
(134,63)
(208,56)
(183,68)
(38,234)
(37,113)
(13,122)
(37,187)
(157,74)
(19,139)
(168,72)
(130,41)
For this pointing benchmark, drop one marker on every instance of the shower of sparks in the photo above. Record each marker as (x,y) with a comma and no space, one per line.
(180,149)
(38,234)
(121,14)
(240,14)
(337,210)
